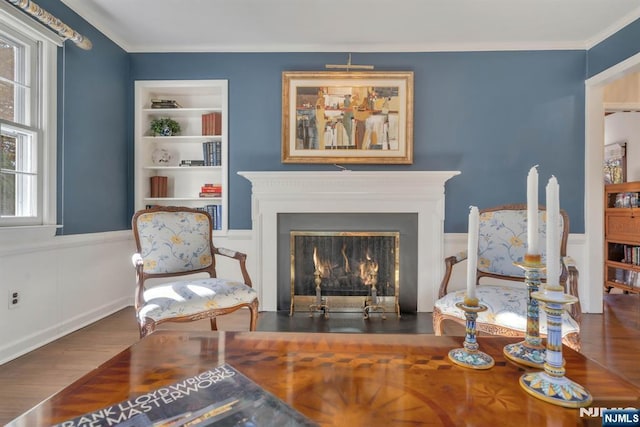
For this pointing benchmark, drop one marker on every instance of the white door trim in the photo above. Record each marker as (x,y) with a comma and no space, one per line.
(592,273)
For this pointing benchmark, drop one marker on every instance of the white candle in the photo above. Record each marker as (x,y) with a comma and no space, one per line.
(553,232)
(532,211)
(472,251)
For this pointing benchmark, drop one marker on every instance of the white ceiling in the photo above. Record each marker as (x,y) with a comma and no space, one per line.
(355,25)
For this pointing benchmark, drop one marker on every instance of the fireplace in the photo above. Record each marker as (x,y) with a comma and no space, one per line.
(391,241)
(345,271)
(362,195)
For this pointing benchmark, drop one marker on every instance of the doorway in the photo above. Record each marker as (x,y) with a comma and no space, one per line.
(594,183)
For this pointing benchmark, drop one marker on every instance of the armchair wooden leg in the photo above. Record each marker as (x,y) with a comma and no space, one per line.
(146,326)
(253,308)
(437,322)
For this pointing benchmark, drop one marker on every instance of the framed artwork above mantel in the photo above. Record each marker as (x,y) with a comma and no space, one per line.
(347,117)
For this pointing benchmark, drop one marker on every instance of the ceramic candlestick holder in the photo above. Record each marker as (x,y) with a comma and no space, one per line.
(530,352)
(469,356)
(551,385)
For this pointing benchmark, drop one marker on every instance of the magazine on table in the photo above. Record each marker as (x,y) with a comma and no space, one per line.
(221,397)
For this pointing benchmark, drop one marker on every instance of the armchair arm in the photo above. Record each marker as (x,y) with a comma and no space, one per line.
(136,259)
(449,262)
(138,263)
(241,257)
(574,309)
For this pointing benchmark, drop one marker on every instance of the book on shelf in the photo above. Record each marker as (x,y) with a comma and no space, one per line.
(631,254)
(211,187)
(192,163)
(221,396)
(158,186)
(164,103)
(211,190)
(631,279)
(212,123)
(215,211)
(212,153)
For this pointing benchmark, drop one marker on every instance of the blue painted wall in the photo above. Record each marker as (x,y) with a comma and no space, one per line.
(491,115)
(620,46)
(94,131)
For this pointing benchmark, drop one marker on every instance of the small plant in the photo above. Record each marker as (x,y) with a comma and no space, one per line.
(164,126)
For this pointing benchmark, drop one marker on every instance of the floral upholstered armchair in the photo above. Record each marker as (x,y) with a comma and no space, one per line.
(174,243)
(501,242)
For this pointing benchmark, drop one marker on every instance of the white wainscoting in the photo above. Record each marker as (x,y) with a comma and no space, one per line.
(65,283)
(72,281)
(68,282)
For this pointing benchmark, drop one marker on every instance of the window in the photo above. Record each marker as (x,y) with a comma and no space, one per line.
(27,121)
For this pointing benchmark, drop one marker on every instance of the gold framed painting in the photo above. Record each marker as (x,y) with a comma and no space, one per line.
(347,117)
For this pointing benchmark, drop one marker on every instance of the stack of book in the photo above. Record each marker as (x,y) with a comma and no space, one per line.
(216,215)
(158,186)
(212,153)
(192,163)
(212,123)
(211,190)
(164,103)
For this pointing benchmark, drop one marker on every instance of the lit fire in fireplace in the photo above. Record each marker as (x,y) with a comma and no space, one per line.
(369,271)
(344,270)
(368,268)
(322,266)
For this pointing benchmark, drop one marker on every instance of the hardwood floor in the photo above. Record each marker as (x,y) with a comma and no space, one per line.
(611,338)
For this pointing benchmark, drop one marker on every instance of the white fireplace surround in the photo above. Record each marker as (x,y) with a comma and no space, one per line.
(420,192)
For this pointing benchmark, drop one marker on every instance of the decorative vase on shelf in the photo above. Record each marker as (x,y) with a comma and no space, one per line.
(164,127)
(161,157)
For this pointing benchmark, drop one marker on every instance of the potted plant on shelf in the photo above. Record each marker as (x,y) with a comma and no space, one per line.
(164,126)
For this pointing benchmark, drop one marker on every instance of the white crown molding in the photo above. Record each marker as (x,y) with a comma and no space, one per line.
(620,24)
(101,21)
(97,19)
(360,47)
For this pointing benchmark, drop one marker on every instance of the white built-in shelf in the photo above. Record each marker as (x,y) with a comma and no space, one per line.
(194,168)
(176,112)
(183,199)
(196,98)
(179,138)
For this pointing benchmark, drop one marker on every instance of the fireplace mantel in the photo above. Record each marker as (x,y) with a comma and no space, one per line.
(420,192)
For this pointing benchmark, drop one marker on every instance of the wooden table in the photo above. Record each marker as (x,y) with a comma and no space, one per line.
(343,379)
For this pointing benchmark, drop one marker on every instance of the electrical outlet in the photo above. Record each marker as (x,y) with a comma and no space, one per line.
(14,298)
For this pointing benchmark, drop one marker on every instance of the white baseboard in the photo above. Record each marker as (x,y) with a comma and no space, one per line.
(37,339)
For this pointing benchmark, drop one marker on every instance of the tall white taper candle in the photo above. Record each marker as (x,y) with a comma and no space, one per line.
(472,251)
(532,211)
(553,232)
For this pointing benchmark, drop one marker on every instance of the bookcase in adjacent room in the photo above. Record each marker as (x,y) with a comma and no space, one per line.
(194,159)
(622,236)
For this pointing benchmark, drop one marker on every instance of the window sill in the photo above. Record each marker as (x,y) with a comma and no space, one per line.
(27,234)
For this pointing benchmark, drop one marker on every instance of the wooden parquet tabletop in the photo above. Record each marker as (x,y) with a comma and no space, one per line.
(343,379)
